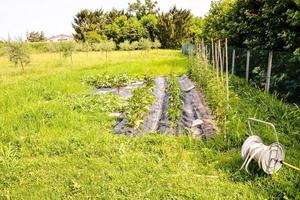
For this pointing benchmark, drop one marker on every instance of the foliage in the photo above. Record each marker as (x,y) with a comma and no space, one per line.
(36,36)
(255,24)
(106,80)
(149,22)
(145,44)
(244,102)
(261,26)
(125,46)
(156,44)
(66,49)
(175,102)
(173,27)
(141,21)
(138,106)
(135,45)
(87,21)
(18,53)
(195,32)
(139,9)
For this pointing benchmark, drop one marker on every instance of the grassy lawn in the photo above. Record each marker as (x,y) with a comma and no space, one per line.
(56,142)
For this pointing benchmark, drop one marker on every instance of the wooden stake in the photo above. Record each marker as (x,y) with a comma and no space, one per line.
(233,61)
(226,66)
(247,65)
(269,71)
(217,60)
(220,58)
(212,54)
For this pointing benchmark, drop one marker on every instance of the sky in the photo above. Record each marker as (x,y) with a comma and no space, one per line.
(55,16)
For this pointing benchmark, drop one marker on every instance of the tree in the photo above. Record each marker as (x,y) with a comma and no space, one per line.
(138,9)
(173,27)
(108,45)
(88,21)
(36,36)
(18,53)
(195,30)
(149,22)
(66,49)
(133,30)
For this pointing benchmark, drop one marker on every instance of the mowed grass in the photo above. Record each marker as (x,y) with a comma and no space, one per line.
(56,141)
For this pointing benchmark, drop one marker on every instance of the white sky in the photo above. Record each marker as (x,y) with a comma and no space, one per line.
(55,16)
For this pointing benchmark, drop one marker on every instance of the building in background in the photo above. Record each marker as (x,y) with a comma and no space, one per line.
(60,38)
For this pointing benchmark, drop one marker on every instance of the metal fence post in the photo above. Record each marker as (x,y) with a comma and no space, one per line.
(233,61)
(247,65)
(268,78)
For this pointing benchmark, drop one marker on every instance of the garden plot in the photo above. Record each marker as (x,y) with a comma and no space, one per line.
(166,105)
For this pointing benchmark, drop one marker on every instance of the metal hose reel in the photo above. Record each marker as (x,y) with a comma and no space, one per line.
(269,158)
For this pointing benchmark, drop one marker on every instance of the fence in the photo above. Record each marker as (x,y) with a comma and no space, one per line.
(272,71)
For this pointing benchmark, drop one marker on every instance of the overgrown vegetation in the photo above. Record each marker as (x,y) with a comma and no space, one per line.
(175,102)
(260,27)
(246,101)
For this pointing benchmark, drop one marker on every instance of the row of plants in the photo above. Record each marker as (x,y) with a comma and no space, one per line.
(175,102)
(139,106)
(103,45)
(116,80)
(246,101)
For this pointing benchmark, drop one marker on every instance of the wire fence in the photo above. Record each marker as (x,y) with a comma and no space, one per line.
(277,72)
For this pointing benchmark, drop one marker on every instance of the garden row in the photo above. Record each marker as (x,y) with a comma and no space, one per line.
(167,105)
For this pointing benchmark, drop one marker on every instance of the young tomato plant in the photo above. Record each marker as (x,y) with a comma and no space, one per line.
(175,102)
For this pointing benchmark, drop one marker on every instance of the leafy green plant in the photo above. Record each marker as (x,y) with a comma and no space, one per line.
(145,44)
(175,102)
(138,106)
(156,44)
(66,49)
(125,46)
(18,53)
(106,80)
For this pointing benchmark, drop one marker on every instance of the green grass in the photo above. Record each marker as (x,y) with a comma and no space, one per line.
(56,140)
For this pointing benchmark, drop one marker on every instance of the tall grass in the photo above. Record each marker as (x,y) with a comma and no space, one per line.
(245,102)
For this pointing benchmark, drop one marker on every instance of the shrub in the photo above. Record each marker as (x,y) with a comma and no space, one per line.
(134,45)
(156,44)
(125,46)
(18,53)
(144,44)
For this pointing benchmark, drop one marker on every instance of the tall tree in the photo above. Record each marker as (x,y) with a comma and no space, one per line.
(35,36)
(149,22)
(86,21)
(173,27)
(138,9)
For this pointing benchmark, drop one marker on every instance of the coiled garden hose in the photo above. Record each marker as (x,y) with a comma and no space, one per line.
(269,158)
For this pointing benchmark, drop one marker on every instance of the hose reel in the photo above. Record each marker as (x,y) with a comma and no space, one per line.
(269,158)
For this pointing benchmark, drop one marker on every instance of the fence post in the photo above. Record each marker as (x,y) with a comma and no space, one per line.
(217,60)
(220,58)
(233,61)
(212,54)
(226,66)
(268,78)
(247,65)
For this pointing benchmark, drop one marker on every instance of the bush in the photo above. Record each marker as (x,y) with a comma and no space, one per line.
(156,44)
(125,46)
(134,45)
(145,44)
(18,53)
